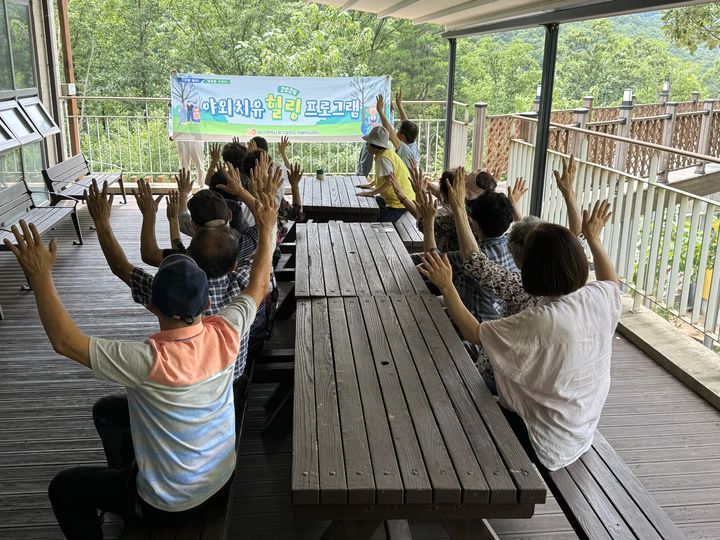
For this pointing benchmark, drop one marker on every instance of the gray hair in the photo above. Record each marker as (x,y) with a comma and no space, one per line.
(518,235)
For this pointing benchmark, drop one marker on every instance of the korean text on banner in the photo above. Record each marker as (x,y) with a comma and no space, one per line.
(218,107)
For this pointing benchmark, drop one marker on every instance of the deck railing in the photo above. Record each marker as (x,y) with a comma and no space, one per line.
(663,242)
(131,133)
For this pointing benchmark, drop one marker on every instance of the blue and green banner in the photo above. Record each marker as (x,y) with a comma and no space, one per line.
(219,107)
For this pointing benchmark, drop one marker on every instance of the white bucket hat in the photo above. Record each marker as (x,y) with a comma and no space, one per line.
(379,137)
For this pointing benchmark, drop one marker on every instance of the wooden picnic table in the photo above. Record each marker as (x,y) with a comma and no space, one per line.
(335,198)
(393,421)
(411,237)
(353,259)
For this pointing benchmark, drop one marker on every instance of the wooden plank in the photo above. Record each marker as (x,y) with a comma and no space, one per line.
(302,262)
(333,485)
(529,485)
(305,468)
(366,258)
(342,190)
(444,478)
(637,491)
(334,193)
(359,278)
(382,265)
(394,260)
(416,481)
(501,486)
(411,270)
(625,505)
(330,276)
(576,503)
(358,468)
(315,266)
(325,193)
(469,472)
(613,522)
(385,466)
(340,256)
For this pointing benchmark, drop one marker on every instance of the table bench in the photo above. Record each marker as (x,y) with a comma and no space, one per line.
(16,203)
(392,421)
(602,498)
(335,198)
(74,175)
(353,259)
(411,237)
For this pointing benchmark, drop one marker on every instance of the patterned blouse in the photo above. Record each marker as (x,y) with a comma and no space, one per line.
(445,232)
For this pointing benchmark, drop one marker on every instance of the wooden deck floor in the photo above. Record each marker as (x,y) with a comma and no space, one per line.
(669,437)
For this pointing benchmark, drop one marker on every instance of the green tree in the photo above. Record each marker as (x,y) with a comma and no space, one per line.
(694,26)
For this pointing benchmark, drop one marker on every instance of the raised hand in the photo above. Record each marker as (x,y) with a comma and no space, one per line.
(417,180)
(184,184)
(295,174)
(265,213)
(236,140)
(427,206)
(380,106)
(283,146)
(438,270)
(251,145)
(173,205)
(99,203)
(565,180)
(456,193)
(34,258)
(215,153)
(259,181)
(144,198)
(395,184)
(398,98)
(516,192)
(594,221)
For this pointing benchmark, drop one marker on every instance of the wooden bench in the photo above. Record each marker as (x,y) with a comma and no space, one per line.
(73,176)
(16,203)
(602,498)
(411,237)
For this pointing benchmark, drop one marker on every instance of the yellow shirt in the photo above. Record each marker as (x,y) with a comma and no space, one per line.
(400,170)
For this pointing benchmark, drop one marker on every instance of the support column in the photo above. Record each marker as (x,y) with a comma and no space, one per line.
(478,142)
(695,99)
(621,148)
(449,105)
(588,104)
(668,130)
(528,129)
(69,71)
(706,128)
(665,93)
(543,126)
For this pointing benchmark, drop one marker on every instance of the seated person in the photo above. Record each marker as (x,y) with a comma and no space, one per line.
(233,153)
(179,389)
(387,164)
(365,162)
(551,361)
(405,139)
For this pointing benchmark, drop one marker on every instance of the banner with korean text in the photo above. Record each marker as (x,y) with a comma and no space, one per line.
(219,107)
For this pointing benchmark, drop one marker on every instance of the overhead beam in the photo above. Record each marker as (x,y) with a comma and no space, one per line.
(459,9)
(592,11)
(543,128)
(397,7)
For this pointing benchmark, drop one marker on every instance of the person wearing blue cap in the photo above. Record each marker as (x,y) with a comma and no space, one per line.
(179,388)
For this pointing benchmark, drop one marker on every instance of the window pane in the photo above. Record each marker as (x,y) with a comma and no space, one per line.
(19,20)
(33,157)
(16,122)
(6,82)
(10,168)
(39,116)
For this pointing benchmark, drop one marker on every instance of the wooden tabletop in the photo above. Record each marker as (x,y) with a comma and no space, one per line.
(391,414)
(411,237)
(353,259)
(335,197)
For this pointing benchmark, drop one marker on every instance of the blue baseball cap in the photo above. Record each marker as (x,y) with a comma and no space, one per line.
(180,288)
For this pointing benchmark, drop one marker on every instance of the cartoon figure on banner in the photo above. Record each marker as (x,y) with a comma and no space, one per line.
(371,120)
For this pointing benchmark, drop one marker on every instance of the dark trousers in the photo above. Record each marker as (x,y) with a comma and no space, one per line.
(388,214)
(77,494)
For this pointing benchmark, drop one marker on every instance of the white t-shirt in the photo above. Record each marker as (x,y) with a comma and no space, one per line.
(409,153)
(384,167)
(552,367)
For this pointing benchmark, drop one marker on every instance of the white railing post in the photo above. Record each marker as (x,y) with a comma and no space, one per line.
(706,129)
(478,142)
(624,130)
(665,93)
(667,137)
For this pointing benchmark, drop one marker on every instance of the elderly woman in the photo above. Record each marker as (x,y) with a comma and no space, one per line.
(552,360)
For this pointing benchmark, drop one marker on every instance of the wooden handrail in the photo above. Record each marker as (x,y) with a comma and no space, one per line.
(660,147)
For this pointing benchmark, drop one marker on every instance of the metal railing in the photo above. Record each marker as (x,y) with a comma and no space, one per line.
(663,242)
(131,133)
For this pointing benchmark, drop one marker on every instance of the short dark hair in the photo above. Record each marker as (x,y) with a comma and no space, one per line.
(486,181)
(493,213)
(218,177)
(233,152)
(554,262)
(215,250)
(409,130)
(446,180)
(248,162)
(261,143)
